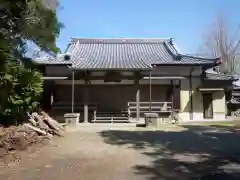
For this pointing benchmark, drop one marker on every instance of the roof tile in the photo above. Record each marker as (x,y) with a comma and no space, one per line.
(127,54)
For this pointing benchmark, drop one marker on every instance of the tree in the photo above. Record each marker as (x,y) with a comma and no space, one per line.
(31,20)
(23,21)
(21,88)
(220,42)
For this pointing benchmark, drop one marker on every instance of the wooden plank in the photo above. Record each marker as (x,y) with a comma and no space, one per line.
(109,120)
(76,103)
(154,102)
(152,111)
(147,107)
(90,107)
(110,117)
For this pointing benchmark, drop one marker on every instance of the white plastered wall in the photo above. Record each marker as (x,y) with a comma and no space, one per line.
(197,102)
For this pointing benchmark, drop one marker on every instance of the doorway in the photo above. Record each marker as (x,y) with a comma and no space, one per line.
(207,106)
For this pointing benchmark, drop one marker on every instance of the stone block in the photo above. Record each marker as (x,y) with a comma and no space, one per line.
(152,120)
(72,118)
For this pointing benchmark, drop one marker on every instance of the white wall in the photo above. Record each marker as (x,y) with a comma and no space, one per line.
(197,103)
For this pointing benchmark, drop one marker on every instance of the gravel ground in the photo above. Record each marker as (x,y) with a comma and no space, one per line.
(132,154)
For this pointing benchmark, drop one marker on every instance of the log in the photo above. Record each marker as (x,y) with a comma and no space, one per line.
(42,132)
(31,119)
(56,130)
(58,133)
(51,124)
(41,124)
(47,124)
(52,121)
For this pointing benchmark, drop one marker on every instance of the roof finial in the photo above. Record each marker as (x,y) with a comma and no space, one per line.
(171,41)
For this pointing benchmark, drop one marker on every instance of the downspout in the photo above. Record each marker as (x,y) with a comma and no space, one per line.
(190,94)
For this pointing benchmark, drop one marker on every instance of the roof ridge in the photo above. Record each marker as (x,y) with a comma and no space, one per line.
(131,38)
(120,40)
(172,50)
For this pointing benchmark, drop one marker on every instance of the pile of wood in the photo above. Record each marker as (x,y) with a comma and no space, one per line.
(43,124)
(39,128)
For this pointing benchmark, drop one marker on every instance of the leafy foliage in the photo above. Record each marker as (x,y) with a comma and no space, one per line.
(21,89)
(21,21)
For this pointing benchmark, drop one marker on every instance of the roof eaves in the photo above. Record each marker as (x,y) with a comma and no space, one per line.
(110,69)
(183,64)
(50,61)
(212,76)
(55,63)
(200,57)
(211,61)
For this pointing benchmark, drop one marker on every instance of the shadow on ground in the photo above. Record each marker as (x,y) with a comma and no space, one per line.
(194,153)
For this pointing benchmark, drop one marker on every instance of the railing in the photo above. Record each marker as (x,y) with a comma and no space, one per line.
(144,107)
(68,106)
(110,117)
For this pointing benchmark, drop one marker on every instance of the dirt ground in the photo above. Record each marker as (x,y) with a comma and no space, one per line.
(127,154)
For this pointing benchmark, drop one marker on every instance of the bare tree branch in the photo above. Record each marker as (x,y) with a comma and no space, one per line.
(234,38)
(218,43)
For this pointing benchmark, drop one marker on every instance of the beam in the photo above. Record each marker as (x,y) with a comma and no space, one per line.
(124,77)
(54,78)
(165,77)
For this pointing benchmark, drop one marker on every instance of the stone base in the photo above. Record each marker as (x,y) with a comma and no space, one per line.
(72,118)
(152,120)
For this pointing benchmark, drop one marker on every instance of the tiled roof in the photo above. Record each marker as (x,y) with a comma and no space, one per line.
(236,87)
(52,61)
(197,60)
(219,76)
(213,75)
(234,101)
(128,54)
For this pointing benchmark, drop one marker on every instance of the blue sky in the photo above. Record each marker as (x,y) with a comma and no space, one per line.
(184,20)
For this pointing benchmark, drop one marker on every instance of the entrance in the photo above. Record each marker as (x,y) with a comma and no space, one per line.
(207,106)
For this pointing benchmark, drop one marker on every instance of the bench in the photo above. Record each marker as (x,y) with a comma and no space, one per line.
(67,106)
(144,107)
(113,117)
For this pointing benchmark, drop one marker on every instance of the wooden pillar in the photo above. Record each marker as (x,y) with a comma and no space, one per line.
(86,88)
(173,95)
(73,84)
(150,91)
(137,77)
